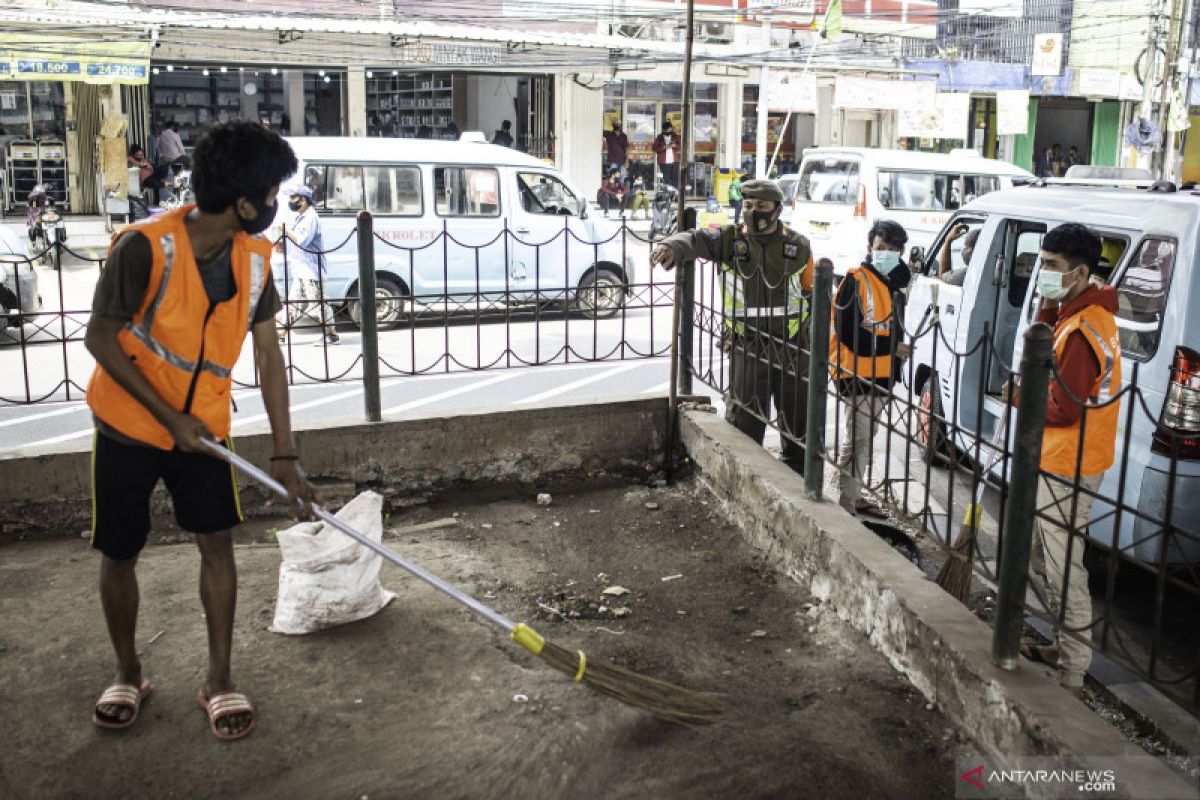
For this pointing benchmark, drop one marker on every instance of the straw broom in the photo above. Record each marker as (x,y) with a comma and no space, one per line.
(655,697)
(955,574)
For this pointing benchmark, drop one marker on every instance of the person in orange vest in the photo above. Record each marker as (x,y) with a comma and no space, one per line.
(169,317)
(865,354)
(1079,442)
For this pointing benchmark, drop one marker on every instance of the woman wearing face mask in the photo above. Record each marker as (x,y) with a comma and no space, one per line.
(862,357)
(1087,349)
(765,273)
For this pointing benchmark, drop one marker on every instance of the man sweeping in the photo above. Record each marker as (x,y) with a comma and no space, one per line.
(170,315)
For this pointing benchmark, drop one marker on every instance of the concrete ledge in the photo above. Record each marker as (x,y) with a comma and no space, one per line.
(936,642)
(48,491)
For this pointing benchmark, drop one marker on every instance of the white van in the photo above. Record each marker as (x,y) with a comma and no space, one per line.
(1151,242)
(840,191)
(456,221)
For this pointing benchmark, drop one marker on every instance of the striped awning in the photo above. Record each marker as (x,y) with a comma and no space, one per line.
(49,57)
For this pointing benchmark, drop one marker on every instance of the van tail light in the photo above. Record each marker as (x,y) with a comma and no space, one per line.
(860,208)
(1178,432)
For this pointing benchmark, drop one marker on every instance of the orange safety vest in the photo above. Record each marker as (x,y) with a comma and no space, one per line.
(1060,445)
(183,345)
(875,302)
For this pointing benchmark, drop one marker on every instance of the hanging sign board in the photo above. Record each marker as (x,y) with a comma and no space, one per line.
(876,94)
(1012,112)
(50,57)
(947,118)
(792,91)
(1098,82)
(1047,54)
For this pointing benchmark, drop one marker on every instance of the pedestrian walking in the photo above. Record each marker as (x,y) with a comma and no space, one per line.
(616,147)
(306,265)
(189,281)
(613,193)
(666,150)
(766,274)
(735,197)
(864,356)
(1079,441)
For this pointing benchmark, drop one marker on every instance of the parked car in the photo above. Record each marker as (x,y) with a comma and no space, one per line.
(1150,242)
(462,219)
(839,191)
(19,294)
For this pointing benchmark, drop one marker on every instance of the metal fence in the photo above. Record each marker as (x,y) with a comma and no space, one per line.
(455,301)
(922,448)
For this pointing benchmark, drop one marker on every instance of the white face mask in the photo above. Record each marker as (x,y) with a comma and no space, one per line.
(884,261)
(1050,284)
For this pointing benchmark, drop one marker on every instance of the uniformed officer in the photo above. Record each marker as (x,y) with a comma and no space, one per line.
(766,274)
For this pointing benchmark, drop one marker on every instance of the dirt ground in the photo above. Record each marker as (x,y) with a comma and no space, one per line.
(423,700)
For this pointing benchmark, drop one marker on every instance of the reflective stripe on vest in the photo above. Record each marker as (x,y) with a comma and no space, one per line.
(733,294)
(874,300)
(1061,445)
(184,345)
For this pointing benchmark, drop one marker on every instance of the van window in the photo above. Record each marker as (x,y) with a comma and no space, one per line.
(828,180)
(1142,297)
(914,191)
(978,185)
(344,188)
(545,194)
(314,178)
(467,191)
(394,191)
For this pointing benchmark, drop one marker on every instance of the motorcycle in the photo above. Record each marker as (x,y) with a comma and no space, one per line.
(45,225)
(664,212)
(179,186)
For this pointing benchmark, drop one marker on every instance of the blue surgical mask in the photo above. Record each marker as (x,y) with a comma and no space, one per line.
(884,261)
(1050,284)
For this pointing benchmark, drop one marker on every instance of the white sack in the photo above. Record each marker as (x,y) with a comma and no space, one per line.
(326,577)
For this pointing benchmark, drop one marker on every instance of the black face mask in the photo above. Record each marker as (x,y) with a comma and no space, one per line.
(265,215)
(758,222)
(294,205)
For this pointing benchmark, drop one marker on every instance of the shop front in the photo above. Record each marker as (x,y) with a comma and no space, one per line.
(50,112)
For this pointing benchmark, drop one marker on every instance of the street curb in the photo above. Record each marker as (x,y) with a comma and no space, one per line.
(937,643)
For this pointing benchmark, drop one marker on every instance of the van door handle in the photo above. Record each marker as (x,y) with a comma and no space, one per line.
(523,230)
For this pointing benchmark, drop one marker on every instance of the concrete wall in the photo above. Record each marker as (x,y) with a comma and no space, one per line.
(47,492)
(578,112)
(489,102)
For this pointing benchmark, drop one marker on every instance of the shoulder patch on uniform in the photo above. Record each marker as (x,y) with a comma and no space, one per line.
(741,248)
(790,250)
(713,233)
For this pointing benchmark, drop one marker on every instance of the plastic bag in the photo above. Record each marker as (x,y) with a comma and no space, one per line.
(326,577)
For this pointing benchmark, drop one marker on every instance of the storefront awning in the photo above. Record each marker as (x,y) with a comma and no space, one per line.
(41,57)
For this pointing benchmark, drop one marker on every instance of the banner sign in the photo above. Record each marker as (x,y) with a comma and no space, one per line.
(49,57)
(947,118)
(877,94)
(1047,54)
(1012,112)
(792,91)
(1099,82)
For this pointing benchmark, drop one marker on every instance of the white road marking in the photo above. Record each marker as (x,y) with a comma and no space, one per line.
(433,398)
(43,415)
(566,387)
(662,388)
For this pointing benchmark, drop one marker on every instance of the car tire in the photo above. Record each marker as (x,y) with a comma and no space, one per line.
(601,294)
(391,303)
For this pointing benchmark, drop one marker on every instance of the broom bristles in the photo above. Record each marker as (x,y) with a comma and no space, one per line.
(955,574)
(659,698)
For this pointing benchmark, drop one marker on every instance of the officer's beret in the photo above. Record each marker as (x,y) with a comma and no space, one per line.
(762,190)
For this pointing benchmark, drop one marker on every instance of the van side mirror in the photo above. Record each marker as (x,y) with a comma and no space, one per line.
(916,259)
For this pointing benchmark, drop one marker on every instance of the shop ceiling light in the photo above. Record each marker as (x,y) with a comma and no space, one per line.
(370,74)
(327,79)
(274,70)
(206,73)
(224,69)
(170,67)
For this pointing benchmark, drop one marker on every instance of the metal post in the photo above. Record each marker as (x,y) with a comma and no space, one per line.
(1022,495)
(818,366)
(366,313)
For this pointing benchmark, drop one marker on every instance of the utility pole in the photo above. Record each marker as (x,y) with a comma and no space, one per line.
(1170,72)
(1146,110)
(764,80)
(1186,35)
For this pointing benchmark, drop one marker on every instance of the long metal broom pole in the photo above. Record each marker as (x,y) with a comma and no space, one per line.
(400,561)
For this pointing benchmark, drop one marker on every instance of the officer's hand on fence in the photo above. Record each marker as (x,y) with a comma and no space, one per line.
(187,431)
(301,493)
(664,256)
(1006,392)
(903,350)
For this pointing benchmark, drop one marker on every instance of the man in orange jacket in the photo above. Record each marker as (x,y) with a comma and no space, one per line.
(1079,442)
(170,315)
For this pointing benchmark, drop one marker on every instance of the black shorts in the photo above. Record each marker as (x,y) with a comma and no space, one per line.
(203,492)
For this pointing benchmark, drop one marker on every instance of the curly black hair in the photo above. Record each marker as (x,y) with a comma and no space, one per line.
(1076,243)
(892,232)
(239,159)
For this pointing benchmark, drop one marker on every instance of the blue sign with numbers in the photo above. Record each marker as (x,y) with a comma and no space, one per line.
(117,70)
(48,67)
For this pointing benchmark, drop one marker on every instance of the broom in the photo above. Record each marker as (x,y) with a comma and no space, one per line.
(955,574)
(661,699)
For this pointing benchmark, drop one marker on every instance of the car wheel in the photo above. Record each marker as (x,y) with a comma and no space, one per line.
(601,294)
(390,305)
(931,429)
